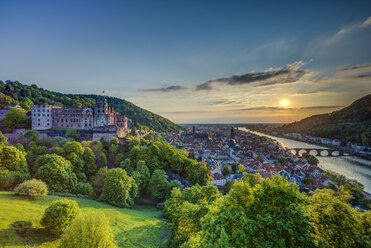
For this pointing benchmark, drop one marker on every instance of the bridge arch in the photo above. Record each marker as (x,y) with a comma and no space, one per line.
(324,153)
(335,153)
(313,152)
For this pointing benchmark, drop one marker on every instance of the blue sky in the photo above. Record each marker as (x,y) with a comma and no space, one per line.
(159,54)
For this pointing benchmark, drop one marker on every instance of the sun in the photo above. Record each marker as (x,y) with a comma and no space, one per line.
(284,103)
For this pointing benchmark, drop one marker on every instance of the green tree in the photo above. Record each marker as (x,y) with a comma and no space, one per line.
(16,118)
(241,169)
(90,229)
(158,185)
(227,187)
(141,175)
(98,181)
(102,160)
(119,188)
(127,166)
(59,215)
(72,133)
(26,104)
(56,172)
(90,166)
(72,150)
(13,159)
(226,170)
(336,223)
(271,214)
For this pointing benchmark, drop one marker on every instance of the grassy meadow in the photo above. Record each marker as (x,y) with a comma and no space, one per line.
(139,226)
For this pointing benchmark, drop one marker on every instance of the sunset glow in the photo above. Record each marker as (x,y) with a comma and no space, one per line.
(284,103)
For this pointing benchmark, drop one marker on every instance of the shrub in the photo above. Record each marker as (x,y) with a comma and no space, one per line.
(56,172)
(83,189)
(91,229)
(119,189)
(10,179)
(32,188)
(59,215)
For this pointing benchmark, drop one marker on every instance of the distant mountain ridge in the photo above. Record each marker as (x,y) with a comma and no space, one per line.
(14,92)
(352,123)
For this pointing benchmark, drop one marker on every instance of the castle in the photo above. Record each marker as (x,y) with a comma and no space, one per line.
(103,121)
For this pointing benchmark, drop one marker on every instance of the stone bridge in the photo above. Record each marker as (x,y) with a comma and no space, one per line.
(323,152)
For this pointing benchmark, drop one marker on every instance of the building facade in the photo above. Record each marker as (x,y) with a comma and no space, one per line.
(48,116)
(41,116)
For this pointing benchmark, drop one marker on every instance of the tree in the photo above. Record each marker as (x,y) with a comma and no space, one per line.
(271,214)
(13,167)
(226,170)
(16,118)
(227,186)
(72,150)
(90,166)
(98,181)
(336,223)
(141,175)
(158,185)
(83,189)
(13,159)
(56,172)
(241,169)
(72,133)
(59,215)
(34,188)
(127,166)
(90,229)
(26,104)
(119,189)
(311,159)
(102,160)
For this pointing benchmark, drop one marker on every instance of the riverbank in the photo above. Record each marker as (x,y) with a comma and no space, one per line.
(352,167)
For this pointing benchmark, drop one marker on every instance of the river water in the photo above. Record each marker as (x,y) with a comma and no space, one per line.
(349,166)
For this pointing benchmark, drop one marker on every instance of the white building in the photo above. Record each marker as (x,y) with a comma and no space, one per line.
(41,116)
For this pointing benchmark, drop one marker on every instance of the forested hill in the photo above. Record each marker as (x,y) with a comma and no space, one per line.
(25,95)
(352,123)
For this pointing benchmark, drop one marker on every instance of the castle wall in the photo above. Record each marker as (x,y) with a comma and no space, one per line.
(41,116)
(67,118)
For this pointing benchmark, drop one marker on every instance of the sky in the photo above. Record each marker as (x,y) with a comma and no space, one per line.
(195,61)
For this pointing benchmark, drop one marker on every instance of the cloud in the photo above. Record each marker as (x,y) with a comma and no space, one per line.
(367,22)
(322,107)
(165,89)
(356,67)
(274,108)
(348,29)
(289,74)
(225,102)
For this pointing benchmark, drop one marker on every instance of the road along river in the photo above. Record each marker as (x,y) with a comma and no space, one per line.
(350,166)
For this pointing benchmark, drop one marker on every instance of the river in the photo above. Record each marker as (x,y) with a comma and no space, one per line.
(349,166)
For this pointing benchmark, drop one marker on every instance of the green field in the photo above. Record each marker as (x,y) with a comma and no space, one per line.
(140,226)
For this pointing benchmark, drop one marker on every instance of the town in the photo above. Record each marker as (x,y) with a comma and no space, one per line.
(232,153)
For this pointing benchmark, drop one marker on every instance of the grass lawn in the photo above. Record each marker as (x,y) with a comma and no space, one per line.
(140,226)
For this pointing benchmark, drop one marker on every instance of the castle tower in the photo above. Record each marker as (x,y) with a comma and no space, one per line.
(101,113)
(232,133)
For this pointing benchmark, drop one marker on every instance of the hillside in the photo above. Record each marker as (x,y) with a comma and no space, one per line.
(25,95)
(352,123)
(140,226)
